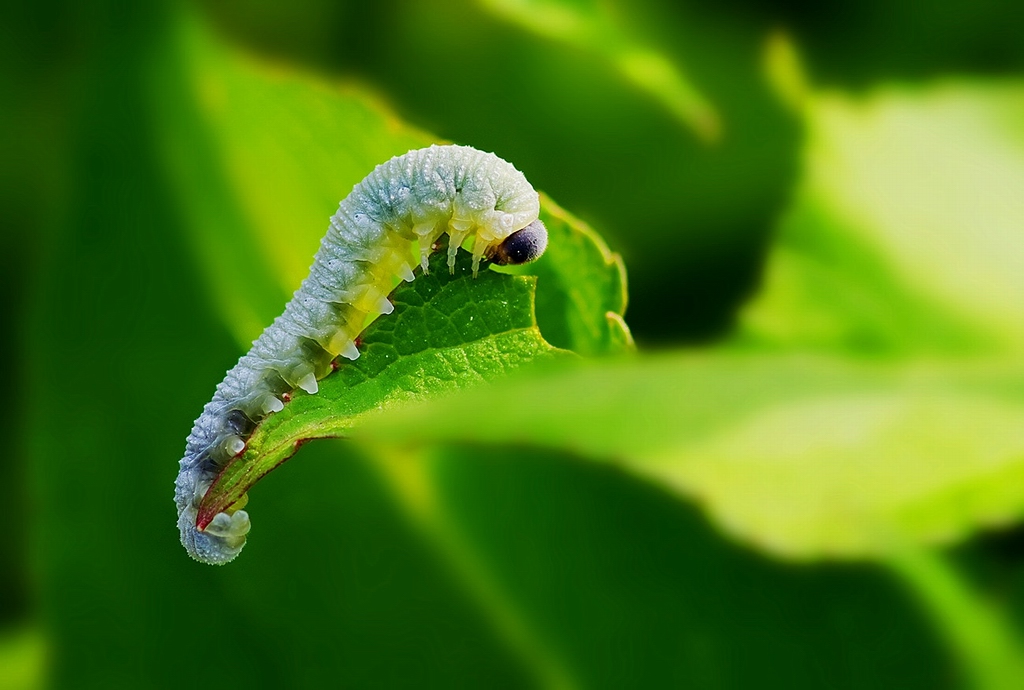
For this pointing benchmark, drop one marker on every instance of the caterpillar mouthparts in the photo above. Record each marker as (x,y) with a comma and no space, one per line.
(406,203)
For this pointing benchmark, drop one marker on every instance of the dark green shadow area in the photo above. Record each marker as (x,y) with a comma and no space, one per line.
(631,588)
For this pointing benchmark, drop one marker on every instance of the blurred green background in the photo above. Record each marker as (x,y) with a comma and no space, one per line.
(819,478)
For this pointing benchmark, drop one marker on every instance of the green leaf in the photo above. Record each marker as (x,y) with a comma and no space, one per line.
(803,456)
(581,287)
(905,233)
(448,332)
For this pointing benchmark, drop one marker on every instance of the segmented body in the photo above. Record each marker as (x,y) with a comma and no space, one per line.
(409,201)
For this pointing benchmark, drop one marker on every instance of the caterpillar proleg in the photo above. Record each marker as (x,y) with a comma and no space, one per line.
(398,212)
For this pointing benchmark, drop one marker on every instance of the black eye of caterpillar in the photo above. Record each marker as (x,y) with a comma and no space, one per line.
(522,246)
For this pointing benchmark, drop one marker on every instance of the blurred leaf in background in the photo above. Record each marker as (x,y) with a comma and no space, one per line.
(167,190)
(904,236)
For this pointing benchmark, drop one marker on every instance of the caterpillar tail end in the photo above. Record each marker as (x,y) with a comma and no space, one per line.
(220,542)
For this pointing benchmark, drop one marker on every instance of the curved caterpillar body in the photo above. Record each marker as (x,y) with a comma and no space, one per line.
(475,197)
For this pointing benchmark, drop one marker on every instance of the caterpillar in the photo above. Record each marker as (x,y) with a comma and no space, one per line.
(406,204)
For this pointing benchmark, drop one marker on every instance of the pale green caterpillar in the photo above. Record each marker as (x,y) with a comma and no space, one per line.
(476,198)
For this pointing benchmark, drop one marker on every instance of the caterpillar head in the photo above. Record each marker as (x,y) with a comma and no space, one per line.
(522,246)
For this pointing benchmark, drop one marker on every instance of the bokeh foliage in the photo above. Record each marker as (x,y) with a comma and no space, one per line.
(167,187)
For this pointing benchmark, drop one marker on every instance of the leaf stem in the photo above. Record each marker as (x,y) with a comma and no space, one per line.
(978,635)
